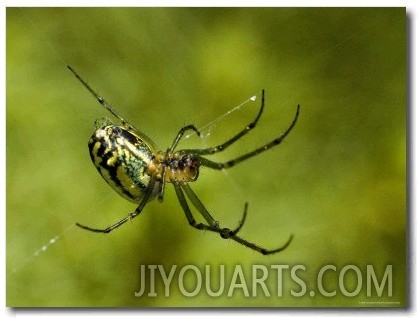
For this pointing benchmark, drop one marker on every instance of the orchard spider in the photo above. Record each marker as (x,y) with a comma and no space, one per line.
(133,166)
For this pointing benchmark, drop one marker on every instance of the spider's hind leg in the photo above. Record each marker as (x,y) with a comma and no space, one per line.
(231,234)
(227,233)
(213,226)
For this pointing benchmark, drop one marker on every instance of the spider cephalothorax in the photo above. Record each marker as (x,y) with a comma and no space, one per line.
(176,167)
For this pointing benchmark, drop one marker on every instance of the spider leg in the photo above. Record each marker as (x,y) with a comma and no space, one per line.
(223,165)
(130,215)
(221,147)
(180,135)
(199,206)
(241,223)
(231,234)
(101,100)
(187,211)
(213,226)
(109,107)
(258,248)
(201,226)
(161,187)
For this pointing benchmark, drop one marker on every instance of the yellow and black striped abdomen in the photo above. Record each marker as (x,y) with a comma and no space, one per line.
(122,158)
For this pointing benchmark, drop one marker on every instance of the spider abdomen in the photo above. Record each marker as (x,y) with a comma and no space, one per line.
(122,158)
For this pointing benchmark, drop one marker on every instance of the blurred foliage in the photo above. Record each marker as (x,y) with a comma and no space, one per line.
(338,182)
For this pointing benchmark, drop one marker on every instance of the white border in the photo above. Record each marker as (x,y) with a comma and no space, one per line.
(413,137)
(213,3)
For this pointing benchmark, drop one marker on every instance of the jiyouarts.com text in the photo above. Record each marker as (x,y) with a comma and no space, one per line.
(267,281)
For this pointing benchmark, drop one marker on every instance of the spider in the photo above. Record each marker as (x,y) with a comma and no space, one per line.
(133,166)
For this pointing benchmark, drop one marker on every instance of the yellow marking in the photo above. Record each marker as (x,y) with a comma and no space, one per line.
(106,175)
(97,159)
(112,160)
(135,149)
(127,183)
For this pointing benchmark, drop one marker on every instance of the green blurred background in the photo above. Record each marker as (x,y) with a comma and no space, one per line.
(338,182)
